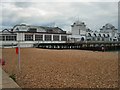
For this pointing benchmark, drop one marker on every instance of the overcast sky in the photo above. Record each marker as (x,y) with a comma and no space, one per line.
(61,14)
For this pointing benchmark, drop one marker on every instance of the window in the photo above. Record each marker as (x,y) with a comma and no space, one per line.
(95,35)
(98,39)
(114,39)
(93,38)
(9,38)
(102,39)
(3,38)
(63,38)
(32,30)
(99,35)
(88,39)
(14,38)
(28,37)
(55,38)
(89,34)
(48,38)
(38,37)
(104,35)
(82,39)
(17,29)
(110,39)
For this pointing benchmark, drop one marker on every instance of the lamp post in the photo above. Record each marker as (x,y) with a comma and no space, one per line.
(18,46)
(19,55)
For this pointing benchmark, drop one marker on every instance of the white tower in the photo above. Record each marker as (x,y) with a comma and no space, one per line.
(78,28)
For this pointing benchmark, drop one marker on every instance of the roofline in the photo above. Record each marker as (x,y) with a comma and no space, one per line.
(6,30)
(38,32)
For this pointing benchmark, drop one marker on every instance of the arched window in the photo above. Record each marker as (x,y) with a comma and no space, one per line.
(95,35)
(99,35)
(103,35)
(110,39)
(108,35)
(89,34)
(17,29)
(82,39)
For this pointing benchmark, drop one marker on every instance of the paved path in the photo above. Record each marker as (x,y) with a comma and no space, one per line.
(6,82)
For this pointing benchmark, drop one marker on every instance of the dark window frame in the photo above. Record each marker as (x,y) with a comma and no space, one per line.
(48,37)
(63,38)
(56,37)
(38,37)
(28,37)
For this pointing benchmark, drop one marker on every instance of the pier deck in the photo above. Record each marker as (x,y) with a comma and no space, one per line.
(87,45)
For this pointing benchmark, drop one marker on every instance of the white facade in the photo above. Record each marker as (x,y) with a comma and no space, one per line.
(29,35)
(80,32)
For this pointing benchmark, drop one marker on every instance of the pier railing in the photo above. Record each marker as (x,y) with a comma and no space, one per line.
(84,45)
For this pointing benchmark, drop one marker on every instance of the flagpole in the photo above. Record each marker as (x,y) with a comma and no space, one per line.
(19,56)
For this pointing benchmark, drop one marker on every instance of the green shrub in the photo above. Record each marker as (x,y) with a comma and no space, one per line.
(13,77)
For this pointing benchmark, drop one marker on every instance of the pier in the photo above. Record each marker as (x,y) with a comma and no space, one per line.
(95,46)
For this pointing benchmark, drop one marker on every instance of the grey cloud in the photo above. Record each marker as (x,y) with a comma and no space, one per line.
(64,14)
(119,16)
(22,4)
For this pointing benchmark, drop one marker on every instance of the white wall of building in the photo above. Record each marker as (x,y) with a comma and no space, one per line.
(107,33)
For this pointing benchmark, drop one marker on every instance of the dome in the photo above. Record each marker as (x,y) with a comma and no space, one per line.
(108,25)
(78,22)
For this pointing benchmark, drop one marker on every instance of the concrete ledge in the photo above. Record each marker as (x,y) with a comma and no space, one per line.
(8,83)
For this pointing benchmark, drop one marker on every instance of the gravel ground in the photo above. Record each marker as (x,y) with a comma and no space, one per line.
(45,68)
